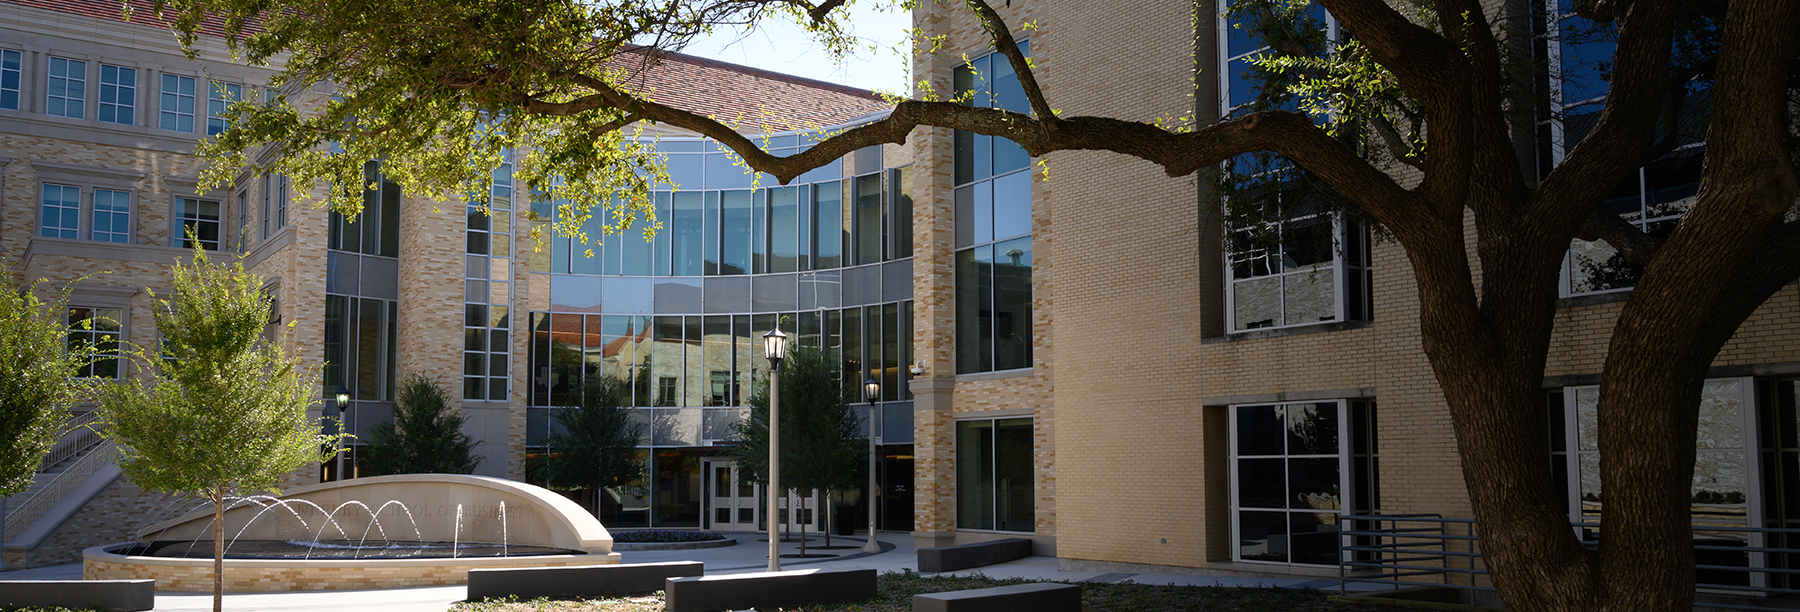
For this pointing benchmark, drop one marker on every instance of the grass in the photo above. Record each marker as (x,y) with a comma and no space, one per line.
(895,590)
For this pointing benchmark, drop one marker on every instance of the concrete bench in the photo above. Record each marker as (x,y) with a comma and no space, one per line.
(1034,597)
(769,590)
(965,556)
(113,595)
(578,580)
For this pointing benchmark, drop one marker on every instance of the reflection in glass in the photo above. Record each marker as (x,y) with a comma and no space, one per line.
(1262,536)
(1260,483)
(1312,429)
(1260,430)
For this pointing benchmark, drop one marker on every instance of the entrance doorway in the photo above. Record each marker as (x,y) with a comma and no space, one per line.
(735,498)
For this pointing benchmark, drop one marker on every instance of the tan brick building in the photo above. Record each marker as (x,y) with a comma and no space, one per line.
(1065,349)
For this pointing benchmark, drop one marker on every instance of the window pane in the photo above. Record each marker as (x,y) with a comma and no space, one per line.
(734,228)
(1261,483)
(686,228)
(1312,429)
(869,222)
(830,236)
(1013,491)
(975,474)
(1260,430)
(974,310)
(1012,205)
(1262,536)
(1012,323)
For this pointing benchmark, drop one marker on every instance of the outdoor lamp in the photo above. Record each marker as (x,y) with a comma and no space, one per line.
(343,398)
(775,345)
(343,403)
(871,392)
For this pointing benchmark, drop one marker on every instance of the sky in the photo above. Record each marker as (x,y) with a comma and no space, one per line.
(782,46)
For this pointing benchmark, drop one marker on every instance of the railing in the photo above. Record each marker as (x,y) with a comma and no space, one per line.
(77,436)
(1736,567)
(18,516)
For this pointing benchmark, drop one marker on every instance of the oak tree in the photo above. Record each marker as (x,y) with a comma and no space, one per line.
(438,91)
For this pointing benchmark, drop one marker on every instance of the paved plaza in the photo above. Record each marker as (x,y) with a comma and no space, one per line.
(749,555)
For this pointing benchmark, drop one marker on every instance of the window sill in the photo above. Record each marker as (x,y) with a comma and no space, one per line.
(1282,332)
(999,375)
(1593,299)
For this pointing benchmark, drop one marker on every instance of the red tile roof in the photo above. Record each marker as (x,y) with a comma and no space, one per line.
(752,97)
(143,12)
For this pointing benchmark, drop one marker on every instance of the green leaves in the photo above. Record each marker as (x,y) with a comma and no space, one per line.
(227,406)
(822,439)
(425,436)
(37,378)
(597,445)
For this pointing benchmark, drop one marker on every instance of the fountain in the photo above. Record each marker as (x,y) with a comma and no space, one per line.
(434,529)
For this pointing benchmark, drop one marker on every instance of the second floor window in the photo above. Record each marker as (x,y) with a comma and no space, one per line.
(67,88)
(993,228)
(112,215)
(118,95)
(59,215)
(1309,268)
(201,217)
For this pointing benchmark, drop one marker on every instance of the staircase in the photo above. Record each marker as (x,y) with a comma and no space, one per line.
(76,469)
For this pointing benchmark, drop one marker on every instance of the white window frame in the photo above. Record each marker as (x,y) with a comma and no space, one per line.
(94,212)
(41,205)
(1751,451)
(1346,472)
(217,104)
(1339,268)
(70,83)
(169,108)
(17,72)
(124,96)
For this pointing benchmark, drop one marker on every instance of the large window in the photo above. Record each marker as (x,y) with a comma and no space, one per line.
(118,94)
(112,215)
(67,94)
(98,328)
(59,214)
(219,98)
(177,110)
(1311,268)
(487,280)
(360,343)
(200,218)
(993,228)
(1294,473)
(10,64)
(994,467)
(1579,54)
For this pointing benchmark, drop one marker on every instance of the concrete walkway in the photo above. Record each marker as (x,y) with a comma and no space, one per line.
(749,555)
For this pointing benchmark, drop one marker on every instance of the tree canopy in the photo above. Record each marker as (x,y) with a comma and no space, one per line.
(595,443)
(822,445)
(225,414)
(425,436)
(38,377)
(1441,89)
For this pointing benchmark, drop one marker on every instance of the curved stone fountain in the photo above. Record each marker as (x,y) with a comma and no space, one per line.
(447,513)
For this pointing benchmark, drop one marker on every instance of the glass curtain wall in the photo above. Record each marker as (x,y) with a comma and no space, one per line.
(993,227)
(994,479)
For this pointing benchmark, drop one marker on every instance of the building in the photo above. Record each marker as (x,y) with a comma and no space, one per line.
(1070,355)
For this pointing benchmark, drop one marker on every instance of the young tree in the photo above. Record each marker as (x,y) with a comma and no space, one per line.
(221,411)
(597,445)
(1438,83)
(426,435)
(38,369)
(822,447)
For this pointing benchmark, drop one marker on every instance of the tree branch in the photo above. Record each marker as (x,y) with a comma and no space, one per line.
(1003,39)
(1631,243)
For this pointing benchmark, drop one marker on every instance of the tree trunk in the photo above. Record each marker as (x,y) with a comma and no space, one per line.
(219,548)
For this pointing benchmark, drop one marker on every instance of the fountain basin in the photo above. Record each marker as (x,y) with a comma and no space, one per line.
(269,575)
(367,512)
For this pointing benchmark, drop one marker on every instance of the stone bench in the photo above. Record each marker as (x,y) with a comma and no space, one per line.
(113,595)
(1034,597)
(769,590)
(965,556)
(577,581)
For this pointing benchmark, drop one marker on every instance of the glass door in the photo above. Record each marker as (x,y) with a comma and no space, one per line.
(734,498)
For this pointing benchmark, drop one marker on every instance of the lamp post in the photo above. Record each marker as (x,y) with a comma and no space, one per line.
(775,349)
(871,392)
(343,403)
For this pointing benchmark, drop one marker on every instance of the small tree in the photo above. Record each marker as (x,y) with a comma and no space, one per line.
(597,446)
(820,436)
(426,435)
(225,414)
(38,367)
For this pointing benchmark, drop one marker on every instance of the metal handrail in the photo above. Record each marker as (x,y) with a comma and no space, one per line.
(77,436)
(1761,574)
(24,513)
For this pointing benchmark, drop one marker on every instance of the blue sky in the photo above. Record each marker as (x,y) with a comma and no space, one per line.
(782,46)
